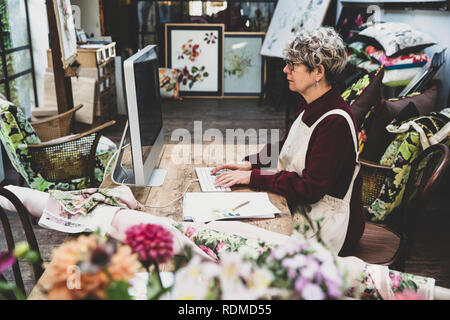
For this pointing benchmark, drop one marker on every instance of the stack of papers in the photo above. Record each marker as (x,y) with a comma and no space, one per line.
(206,206)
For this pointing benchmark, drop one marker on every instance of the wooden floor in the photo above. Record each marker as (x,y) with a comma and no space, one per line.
(430,254)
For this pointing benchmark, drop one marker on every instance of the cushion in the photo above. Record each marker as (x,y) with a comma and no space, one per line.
(168,82)
(400,77)
(363,94)
(378,138)
(409,60)
(396,38)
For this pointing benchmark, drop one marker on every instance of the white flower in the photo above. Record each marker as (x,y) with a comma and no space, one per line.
(188,290)
(288,247)
(330,272)
(248,252)
(260,279)
(324,255)
(237,291)
(310,270)
(312,292)
(232,265)
(295,262)
(210,270)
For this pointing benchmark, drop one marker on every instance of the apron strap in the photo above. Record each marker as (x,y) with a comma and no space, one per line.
(349,121)
(355,143)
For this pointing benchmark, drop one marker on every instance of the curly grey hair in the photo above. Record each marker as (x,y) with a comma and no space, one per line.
(321,46)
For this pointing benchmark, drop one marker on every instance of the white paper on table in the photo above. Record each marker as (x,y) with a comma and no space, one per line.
(209,206)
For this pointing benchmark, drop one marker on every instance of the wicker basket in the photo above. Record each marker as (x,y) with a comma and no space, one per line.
(55,127)
(373,176)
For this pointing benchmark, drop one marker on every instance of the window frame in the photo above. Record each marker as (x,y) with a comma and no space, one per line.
(7,78)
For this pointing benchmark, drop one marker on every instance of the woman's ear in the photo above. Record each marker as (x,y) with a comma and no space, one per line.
(320,72)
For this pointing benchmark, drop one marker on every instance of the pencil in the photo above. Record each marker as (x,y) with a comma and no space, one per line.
(241,205)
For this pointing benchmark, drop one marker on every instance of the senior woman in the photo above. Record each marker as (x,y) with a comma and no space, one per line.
(317,163)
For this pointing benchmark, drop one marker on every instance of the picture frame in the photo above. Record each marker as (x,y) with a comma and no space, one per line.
(66,30)
(196,50)
(81,36)
(244,67)
(289,17)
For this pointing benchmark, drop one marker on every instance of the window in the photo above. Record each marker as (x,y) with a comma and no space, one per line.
(17,80)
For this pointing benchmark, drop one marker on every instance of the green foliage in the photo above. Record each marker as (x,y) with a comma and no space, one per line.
(118,290)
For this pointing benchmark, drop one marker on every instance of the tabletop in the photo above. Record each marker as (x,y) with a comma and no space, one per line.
(180,161)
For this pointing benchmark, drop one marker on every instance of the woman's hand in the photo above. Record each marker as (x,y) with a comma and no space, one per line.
(230,178)
(243,166)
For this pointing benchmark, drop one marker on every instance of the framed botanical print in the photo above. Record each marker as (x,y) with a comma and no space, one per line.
(66,30)
(244,67)
(197,51)
(289,17)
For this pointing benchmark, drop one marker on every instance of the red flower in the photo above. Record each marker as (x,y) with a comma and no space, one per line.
(151,242)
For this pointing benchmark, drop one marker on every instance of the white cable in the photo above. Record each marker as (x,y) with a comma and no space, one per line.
(110,159)
(176,199)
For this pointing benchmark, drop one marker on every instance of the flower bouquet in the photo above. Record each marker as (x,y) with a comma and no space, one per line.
(93,267)
(295,270)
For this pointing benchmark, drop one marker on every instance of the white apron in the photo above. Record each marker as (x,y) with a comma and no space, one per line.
(334,212)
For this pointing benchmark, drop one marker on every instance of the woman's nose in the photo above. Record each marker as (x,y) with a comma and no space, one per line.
(286,69)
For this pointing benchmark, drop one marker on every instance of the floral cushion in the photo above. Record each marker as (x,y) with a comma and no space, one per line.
(169,84)
(396,38)
(363,94)
(16,133)
(399,155)
(378,139)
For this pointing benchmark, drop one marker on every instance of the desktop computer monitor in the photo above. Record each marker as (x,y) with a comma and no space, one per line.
(144,128)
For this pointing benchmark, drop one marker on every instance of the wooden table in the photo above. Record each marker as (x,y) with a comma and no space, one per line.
(179,173)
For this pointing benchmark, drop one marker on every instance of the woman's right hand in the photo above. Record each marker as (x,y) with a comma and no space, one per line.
(244,166)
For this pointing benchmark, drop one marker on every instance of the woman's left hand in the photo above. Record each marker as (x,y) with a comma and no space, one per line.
(230,178)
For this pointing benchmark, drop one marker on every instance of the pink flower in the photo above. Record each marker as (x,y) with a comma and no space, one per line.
(396,278)
(406,295)
(151,242)
(190,231)
(6,260)
(208,251)
(221,245)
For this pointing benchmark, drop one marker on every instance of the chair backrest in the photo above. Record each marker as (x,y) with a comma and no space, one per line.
(56,126)
(16,133)
(426,172)
(29,235)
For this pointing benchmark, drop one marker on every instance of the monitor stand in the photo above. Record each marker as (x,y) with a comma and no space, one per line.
(157,178)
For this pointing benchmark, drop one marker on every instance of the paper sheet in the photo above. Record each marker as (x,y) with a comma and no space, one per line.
(205,206)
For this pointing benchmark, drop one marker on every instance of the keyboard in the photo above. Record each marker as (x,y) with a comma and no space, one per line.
(207,180)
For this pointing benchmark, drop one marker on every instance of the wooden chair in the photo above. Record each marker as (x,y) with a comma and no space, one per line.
(381,244)
(29,235)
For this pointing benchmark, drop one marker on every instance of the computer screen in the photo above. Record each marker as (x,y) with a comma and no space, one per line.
(143,99)
(146,80)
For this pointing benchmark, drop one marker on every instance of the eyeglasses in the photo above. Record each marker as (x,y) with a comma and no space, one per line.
(290,64)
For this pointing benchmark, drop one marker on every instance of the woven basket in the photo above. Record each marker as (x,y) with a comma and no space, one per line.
(55,127)
(373,176)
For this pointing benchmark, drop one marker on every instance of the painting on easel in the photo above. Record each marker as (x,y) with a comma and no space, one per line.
(66,30)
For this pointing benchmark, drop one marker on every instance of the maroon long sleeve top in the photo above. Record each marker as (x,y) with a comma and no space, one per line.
(329,164)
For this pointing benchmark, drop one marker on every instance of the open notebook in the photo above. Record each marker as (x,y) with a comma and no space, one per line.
(205,206)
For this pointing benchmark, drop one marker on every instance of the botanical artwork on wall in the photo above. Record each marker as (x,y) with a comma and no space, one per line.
(290,16)
(243,65)
(196,50)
